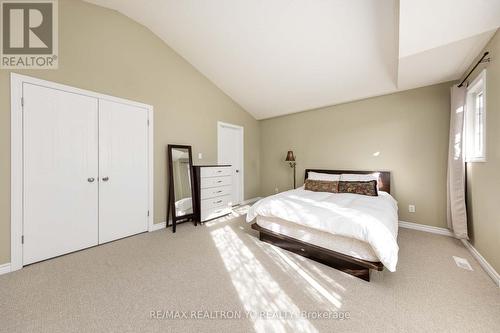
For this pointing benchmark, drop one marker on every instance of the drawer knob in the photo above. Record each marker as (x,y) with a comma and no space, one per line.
(218,201)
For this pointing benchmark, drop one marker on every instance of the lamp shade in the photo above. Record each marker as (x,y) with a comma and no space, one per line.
(289,156)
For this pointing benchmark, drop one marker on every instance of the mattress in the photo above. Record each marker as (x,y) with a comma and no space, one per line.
(345,245)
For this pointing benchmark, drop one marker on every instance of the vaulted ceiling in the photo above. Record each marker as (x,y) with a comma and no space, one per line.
(275,57)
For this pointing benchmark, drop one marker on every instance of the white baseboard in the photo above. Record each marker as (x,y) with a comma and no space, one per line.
(5,268)
(426,228)
(161,225)
(158,226)
(484,264)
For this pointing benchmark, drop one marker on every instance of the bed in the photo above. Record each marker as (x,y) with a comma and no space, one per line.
(350,232)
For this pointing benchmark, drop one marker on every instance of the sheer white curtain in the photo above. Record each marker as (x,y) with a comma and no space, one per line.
(457,213)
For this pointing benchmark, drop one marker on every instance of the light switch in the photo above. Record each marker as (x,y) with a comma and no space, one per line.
(411,208)
(200,156)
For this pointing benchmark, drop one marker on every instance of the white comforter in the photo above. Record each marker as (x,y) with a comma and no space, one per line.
(370,219)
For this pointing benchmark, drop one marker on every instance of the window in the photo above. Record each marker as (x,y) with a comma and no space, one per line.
(475,120)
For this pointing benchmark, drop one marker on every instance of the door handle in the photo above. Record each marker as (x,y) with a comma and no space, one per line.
(90,180)
(105,179)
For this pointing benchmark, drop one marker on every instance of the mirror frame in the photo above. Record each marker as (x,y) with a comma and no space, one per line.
(171,192)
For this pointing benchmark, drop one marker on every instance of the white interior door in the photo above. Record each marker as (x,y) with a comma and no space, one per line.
(230,151)
(123,170)
(60,145)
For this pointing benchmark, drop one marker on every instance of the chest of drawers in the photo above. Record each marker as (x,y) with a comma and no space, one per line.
(213,191)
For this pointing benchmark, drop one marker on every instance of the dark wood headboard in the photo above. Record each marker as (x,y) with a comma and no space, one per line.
(384,181)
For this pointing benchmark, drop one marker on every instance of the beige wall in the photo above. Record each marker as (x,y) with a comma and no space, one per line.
(483,196)
(409,129)
(103,51)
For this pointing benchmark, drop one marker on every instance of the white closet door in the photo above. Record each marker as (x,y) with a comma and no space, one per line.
(230,151)
(123,170)
(60,172)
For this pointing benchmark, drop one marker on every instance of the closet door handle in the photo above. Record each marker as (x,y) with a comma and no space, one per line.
(105,179)
(90,180)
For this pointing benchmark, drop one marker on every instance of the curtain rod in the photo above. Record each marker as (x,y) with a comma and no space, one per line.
(473,68)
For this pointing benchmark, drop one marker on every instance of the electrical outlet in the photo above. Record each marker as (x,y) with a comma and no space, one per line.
(411,208)
(276,190)
(200,156)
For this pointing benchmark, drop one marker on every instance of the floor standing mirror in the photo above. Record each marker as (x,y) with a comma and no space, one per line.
(180,185)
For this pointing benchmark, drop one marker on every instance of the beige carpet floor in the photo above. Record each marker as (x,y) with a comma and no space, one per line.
(222,270)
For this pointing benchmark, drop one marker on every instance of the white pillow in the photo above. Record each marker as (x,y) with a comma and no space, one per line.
(351,177)
(322,176)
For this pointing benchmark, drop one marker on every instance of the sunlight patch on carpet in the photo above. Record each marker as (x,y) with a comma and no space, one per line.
(257,290)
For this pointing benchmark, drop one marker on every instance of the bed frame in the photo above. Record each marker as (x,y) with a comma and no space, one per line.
(345,263)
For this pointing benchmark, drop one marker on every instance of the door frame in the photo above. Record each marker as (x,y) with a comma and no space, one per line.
(17,155)
(220,125)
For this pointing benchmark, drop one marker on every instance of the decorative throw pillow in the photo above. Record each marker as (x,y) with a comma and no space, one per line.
(359,187)
(322,186)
